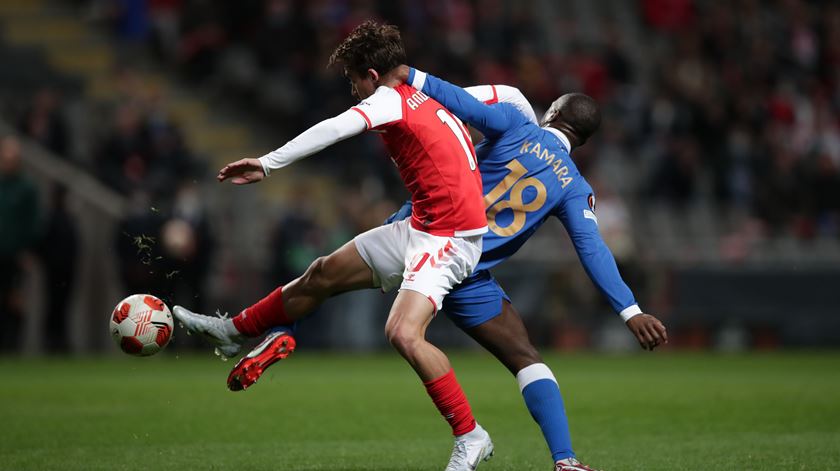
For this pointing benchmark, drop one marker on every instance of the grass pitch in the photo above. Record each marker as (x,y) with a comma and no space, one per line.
(660,411)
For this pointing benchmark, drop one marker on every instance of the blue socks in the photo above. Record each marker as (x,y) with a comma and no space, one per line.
(543,399)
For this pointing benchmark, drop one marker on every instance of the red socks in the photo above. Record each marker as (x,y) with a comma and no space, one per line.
(267,313)
(445,391)
(450,400)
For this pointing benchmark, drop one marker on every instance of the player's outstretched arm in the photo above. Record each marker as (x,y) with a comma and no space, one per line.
(488,120)
(581,223)
(314,139)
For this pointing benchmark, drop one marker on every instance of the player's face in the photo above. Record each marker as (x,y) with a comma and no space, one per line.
(361,86)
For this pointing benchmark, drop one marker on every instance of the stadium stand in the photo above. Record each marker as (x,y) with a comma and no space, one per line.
(719,154)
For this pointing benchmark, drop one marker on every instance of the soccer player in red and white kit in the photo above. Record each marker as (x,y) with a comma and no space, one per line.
(425,255)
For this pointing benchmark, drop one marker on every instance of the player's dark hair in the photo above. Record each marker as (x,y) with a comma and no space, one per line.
(577,113)
(370,45)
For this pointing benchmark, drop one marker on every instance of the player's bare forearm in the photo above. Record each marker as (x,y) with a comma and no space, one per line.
(242,172)
(649,331)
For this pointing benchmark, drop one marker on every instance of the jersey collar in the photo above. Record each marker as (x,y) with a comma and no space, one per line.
(559,134)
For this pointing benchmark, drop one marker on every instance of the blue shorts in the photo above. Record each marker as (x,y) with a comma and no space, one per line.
(475,301)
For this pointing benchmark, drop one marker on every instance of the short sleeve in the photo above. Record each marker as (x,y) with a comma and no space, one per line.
(486,94)
(381,108)
(492,94)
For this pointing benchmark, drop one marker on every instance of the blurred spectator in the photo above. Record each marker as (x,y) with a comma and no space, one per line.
(59,254)
(188,248)
(170,161)
(144,151)
(130,19)
(139,249)
(45,123)
(164,26)
(669,15)
(297,239)
(202,37)
(123,158)
(19,216)
(676,177)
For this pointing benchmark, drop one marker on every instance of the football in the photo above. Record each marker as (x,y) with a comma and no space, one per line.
(141,324)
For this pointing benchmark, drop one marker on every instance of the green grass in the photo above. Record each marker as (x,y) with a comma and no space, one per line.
(350,412)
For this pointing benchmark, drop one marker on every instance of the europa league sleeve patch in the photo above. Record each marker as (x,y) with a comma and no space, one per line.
(590,213)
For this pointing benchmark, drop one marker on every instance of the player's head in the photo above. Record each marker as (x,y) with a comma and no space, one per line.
(370,51)
(576,115)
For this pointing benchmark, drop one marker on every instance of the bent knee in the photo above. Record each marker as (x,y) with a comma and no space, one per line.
(522,356)
(402,337)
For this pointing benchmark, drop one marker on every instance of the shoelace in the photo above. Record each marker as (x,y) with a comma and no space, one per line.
(459,456)
(223,317)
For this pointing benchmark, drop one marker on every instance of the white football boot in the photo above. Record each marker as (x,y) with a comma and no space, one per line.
(470,449)
(218,330)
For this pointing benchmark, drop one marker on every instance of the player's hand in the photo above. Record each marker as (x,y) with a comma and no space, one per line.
(648,331)
(242,172)
(401,73)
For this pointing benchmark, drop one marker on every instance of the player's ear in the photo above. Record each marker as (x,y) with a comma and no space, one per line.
(373,74)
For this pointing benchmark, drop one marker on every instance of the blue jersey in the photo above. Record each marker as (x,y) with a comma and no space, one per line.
(528,176)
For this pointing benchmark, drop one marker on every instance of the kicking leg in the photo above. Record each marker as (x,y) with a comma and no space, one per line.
(374,258)
(343,270)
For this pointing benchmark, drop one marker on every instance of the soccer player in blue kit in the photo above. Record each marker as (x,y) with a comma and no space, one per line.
(528,176)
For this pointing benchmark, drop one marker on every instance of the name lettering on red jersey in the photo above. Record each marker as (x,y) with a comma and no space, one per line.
(414,101)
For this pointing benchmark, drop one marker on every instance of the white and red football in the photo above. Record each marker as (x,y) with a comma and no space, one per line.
(141,324)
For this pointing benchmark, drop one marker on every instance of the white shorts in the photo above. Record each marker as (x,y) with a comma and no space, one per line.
(400,255)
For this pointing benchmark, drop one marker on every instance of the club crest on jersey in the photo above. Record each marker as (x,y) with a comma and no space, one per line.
(591,201)
(414,101)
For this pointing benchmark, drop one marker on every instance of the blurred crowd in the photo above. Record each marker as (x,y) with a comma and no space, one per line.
(731,105)
(748,95)
(19,203)
(163,244)
(33,233)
